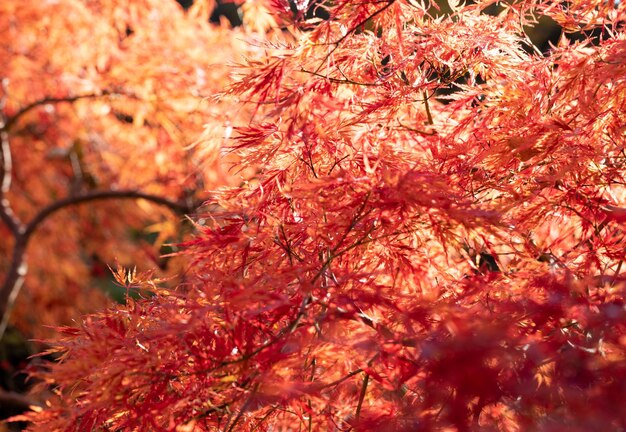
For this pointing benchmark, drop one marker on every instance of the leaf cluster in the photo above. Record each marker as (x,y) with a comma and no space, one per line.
(399,261)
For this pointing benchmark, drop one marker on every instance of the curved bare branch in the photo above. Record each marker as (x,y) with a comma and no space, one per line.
(14,278)
(50,100)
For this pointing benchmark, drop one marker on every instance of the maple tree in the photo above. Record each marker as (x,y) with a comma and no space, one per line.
(103,104)
(434,238)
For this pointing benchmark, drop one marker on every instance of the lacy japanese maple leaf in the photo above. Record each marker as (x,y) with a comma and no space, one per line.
(432,241)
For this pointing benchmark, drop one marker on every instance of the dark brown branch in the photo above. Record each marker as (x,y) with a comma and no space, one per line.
(337,80)
(342,379)
(6,166)
(50,100)
(428,113)
(178,207)
(16,401)
(13,281)
(362,396)
(242,410)
(6,175)
(22,234)
(17,269)
(419,131)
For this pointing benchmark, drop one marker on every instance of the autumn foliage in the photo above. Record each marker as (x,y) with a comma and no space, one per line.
(432,237)
(102,102)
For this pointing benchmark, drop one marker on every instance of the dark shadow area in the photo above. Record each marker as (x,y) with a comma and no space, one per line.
(226,9)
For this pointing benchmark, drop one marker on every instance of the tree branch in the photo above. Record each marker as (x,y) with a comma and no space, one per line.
(337,80)
(50,100)
(16,401)
(43,214)
(14,278)
(353,29)
(21,232)
(362,396)
(6,175)
(17,269)
(13,281)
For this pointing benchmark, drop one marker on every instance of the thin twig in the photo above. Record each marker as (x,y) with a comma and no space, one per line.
(419,131)
(309,402)
(362,396)
(351,374)
(337,80)
(353,29)
(428,113)
(243,409)
(356,219)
